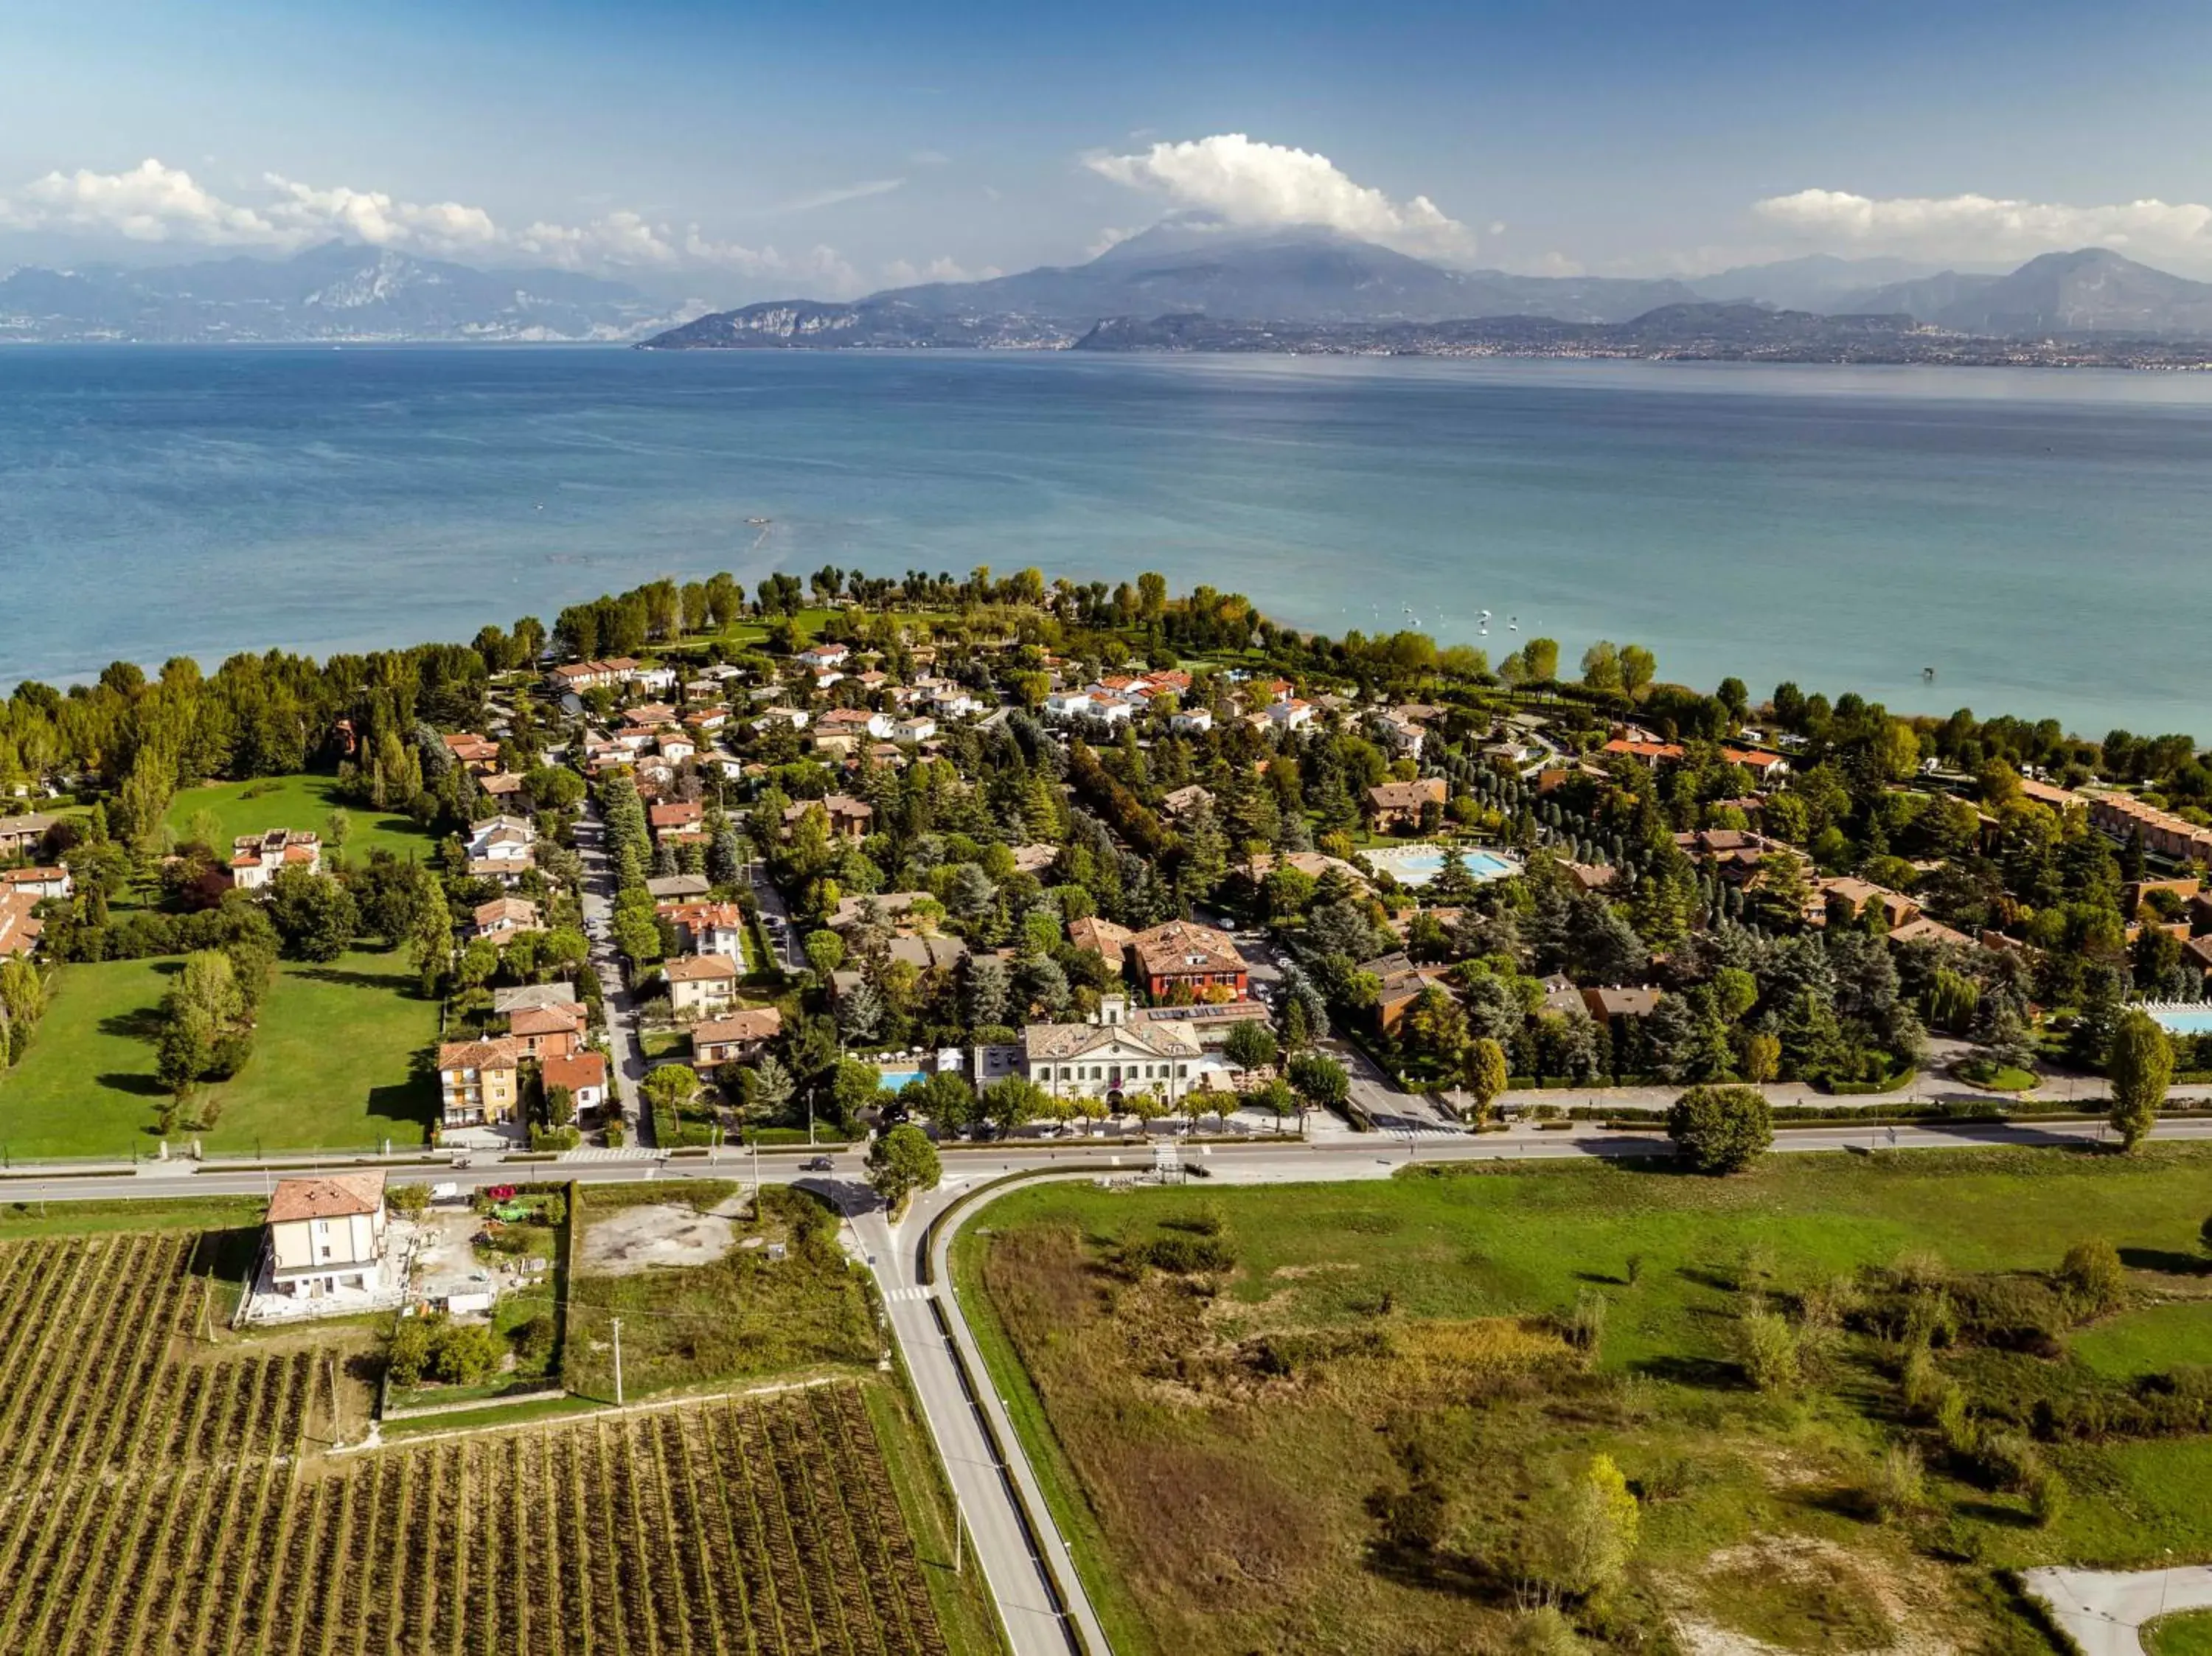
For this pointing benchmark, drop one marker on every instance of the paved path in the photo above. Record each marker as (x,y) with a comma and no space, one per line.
(2102,1610)
(616,997)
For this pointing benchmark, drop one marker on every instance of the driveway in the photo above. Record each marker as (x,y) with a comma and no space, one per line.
(776,914)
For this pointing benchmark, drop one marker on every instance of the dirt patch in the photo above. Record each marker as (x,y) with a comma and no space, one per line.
(1788,1593)
(636,1239)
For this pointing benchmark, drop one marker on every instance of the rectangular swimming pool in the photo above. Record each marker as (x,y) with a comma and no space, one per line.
(2184,1020)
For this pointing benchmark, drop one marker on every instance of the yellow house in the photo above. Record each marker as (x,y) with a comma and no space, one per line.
(478,1081)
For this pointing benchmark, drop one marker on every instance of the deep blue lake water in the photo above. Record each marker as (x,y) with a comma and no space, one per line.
(2043,539)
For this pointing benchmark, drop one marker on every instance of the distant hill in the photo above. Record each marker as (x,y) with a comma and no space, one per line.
(2091,291)
(1819,281)
(336,292)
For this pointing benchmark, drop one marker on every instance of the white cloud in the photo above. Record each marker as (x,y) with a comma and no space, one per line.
(905,273)
(155,203)
(1972,227)
(1110,237)
(1260,184)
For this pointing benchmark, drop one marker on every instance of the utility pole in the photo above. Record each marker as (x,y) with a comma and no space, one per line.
(618,1384)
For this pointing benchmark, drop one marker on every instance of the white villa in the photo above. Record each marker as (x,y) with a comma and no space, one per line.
(326,1234)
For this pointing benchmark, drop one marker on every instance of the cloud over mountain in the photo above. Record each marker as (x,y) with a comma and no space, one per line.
(156,203)
(1973,226)
(1249,184)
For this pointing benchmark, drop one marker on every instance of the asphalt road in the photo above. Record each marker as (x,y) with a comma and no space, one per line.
(618,1000)
(2105,1610)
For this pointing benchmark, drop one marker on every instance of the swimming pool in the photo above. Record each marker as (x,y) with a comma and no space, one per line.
(1417,865)
(893,1080)
(2183,1020)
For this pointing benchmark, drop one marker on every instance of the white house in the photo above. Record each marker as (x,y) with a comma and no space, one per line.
(955,703)
(708,928)
(1115,1056)
(327,1233)
(38,882)
(824,655)
(502,840)
(1192,719)
(660,679)
(255,859)
(697,983)
(920,728)
(1290,715)
(583,1073)
(1067,704)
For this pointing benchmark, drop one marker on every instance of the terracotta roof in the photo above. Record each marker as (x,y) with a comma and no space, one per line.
(1102,938)
(516,910)
(335,1196)
(545,1021)
(755,1023)
(700,968)
(576,1071)
(1044,1042)
(495,1053)
(1182,946)
(1407,796)
(678,814)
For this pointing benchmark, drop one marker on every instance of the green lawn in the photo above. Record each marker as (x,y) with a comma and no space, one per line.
(1334,1445)
(2186,1635)
(298,801)
(334,1063)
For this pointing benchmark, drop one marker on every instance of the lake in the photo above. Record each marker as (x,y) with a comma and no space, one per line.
(2040,538)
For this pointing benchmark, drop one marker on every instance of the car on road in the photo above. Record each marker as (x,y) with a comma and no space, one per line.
(816,1164)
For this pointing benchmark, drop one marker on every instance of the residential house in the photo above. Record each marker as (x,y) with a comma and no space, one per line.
(1182,954)
(1035,859)
(476,752)
(1290,715)
(850,818)
(679,887)
(2124,816)
(503,786)
(890,908)
(821,656)
(543,1032)
(584,1073)
(1101,937)
(1068,705)
(676,746)
(734,1037)
(22,836)
(19,928)
(699,982)
(1396,807)
(2132,894)
(1183,801)
(1764,767)
(1855,896)
(327,1233)
(478,1081)
(509,840)
(1112,1058)
(516,998)
(1191,718)
(1649,755)
(582,675)
(954,702)
(1606,1004)
(1312,863)
(504,917)
(791,717)
(675,819)
(38,882)
(255,859)
(920,727)
(930,953)
(706,928)
(1924,929)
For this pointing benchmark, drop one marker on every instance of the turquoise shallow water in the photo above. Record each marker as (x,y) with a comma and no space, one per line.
(2043,540)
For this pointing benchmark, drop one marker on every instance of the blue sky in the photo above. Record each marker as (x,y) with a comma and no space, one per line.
(735,152)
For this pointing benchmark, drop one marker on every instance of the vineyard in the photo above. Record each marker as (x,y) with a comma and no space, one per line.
(154,1499)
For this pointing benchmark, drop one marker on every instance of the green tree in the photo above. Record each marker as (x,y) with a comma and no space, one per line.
(900,1162)
(1721,1129)
(825,952)
(672,1086)
(1320,1080)
(1249,1044)
(1009,1103)
(315,915)
(1485,1075)
(2140,1065)
(407,1351)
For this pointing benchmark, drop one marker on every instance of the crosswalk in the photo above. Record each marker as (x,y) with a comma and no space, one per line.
(605,1153)
(908,1294)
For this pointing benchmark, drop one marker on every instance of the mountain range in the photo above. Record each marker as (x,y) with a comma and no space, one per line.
(336,292)
(1324,287)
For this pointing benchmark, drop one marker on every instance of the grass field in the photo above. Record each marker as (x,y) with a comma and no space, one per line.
(297,801)
(743,1316)
(334,1063)
(2189,1635)
(1351,1439)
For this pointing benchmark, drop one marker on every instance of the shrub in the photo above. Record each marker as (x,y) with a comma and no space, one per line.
(533,1340)
(1543,1632)
(1583,1326)
(1721,1129)
(615,1135)
(407,1200)
(1901,1482)
(1183,1255)
(407,1352)
(1962,1437)
(2009,1460)
(1920,1383)
(2093,1277)
(1770,1352)
(2046,1496)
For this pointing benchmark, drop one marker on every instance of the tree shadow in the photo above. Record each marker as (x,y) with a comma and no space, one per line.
(138,1086)
(138,1023)
(2165,1259)
(1602,1280)
(1701,1374)
(411,1101)
(1707,1277)
(342,978)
